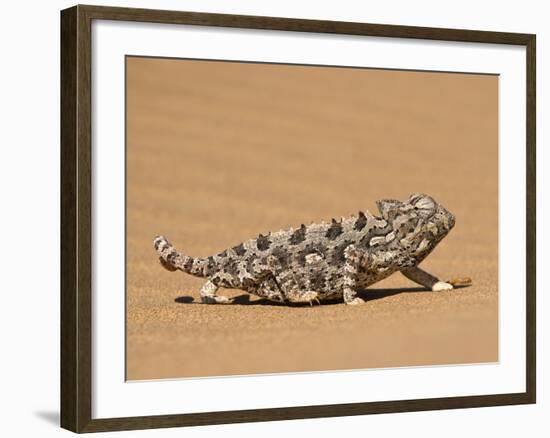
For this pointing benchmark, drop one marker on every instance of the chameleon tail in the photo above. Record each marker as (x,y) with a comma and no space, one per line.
(173,260)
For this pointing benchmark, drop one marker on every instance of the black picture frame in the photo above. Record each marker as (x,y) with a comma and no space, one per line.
(76,218)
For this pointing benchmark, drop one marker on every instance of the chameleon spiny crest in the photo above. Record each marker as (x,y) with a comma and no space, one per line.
(324,260)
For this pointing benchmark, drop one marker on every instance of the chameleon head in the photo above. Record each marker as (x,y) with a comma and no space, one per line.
(418,223)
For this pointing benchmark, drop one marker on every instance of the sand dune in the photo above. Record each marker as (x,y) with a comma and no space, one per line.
(219,152)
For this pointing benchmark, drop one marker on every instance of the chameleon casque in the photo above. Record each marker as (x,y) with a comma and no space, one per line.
(324,260)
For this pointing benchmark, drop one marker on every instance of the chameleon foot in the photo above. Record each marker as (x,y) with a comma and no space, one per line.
(356,302)
(441,286)
(216,299)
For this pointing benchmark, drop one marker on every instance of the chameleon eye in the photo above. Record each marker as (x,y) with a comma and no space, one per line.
(415,197)
(425,203)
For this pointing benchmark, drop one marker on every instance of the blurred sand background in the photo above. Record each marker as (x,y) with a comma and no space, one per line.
(218,152)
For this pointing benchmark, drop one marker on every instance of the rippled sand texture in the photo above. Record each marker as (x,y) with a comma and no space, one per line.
(218,152)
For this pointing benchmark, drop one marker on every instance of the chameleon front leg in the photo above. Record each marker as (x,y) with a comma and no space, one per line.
(354,258)
(425,279)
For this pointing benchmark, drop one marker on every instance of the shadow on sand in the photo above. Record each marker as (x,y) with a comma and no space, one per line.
(366,294)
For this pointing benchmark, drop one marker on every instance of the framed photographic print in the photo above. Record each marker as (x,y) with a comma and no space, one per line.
(271,218)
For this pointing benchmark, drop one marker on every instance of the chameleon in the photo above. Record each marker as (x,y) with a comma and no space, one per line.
(324,261)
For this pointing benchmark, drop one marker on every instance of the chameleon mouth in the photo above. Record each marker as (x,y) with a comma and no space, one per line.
(448,220)
(451,221)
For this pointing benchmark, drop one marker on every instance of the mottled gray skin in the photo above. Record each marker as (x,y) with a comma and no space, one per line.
(326,260)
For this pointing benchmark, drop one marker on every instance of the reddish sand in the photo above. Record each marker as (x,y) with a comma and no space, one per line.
(218,152)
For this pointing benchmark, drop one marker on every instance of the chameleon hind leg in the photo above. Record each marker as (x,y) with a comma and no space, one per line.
(296,291)
(289,285)
(255,277)
(270,289)
(208,292)
(302,296)
(426,279)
